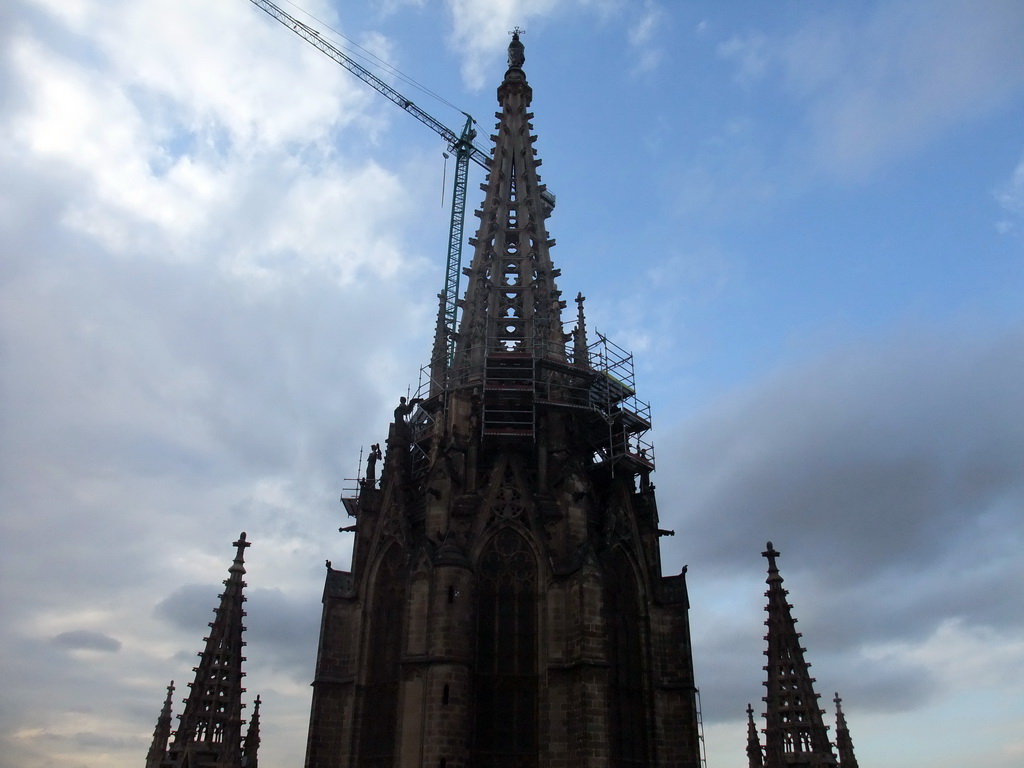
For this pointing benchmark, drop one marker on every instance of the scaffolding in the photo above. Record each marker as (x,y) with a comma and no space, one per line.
(515,386)
(700,729)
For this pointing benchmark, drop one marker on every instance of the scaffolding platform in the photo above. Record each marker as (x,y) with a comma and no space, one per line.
(514,385)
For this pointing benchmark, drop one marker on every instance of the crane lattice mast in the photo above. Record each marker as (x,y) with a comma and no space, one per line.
(461,145)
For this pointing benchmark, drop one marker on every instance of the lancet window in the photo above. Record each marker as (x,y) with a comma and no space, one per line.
(505,730)
(383,674)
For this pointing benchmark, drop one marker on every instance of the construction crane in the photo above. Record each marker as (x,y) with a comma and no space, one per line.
(461,145)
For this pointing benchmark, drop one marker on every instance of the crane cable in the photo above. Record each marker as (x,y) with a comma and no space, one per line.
(376,60)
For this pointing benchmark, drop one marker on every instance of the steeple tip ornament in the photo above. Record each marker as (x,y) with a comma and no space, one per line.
(240,545)
(516,51)
(771,553)
(515,78)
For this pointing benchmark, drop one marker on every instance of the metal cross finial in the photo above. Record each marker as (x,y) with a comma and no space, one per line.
(771,553)
(237,566)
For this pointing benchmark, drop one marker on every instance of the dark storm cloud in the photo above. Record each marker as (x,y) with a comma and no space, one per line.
(86,640)
(892,461)
(189,608)
(282,630)
(891,482)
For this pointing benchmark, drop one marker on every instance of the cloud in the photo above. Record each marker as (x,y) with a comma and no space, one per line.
(895,80)
(892,475)
(750,54)
(642,33)
(189,607)
(480,30)
(193,242)
(1010,197)
(86,640)
(284,628)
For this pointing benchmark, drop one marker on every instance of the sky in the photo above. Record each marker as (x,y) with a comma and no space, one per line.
(219,260)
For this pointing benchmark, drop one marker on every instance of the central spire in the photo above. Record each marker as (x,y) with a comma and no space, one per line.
(511,304)
(506,603)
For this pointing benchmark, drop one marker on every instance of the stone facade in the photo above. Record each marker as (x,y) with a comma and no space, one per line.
(505,605)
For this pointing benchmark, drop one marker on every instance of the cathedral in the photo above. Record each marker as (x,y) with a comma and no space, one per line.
(505,606)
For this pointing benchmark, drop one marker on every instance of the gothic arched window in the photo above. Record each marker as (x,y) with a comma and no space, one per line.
(505,728)
(383,645)
(626,675)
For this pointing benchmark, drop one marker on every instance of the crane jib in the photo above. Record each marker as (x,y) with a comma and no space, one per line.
(462,145)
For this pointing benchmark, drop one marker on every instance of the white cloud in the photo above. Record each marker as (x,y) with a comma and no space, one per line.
(192,218)
(965,658)
(1011,199)
(642,34)
(750,54)
(894,81)
(171,146)
(480,30)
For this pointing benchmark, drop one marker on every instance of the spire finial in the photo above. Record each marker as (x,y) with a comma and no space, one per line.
(516,51)
(238,566)
(771,553)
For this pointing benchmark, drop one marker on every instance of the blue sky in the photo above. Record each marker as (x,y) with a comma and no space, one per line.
(218,272)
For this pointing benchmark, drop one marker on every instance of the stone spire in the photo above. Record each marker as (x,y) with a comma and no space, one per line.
(210,727)
(844,744)
(511,302)
(795,734)
(755,757)
(162,733)
(506,603)
(252,738)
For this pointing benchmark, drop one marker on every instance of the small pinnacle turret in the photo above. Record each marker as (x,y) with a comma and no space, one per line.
(209,732)
(162,732)
(755,757)
(252,738)
(844,744)
(795,734)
